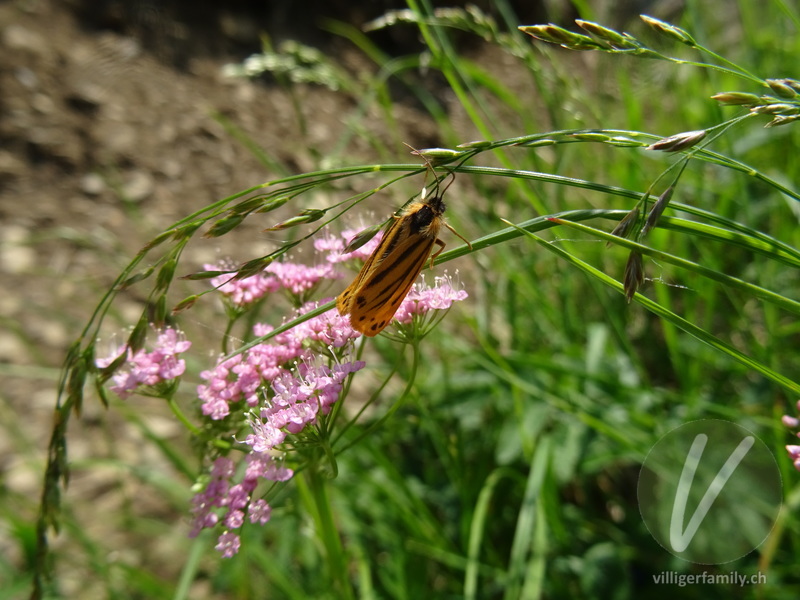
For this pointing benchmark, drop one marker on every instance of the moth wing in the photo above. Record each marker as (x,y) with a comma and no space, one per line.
(344,301)
(381,290)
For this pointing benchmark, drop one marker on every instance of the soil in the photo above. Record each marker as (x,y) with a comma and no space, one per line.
(113,121)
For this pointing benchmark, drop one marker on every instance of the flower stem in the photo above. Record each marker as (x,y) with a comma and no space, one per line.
(313,486)
(397,403)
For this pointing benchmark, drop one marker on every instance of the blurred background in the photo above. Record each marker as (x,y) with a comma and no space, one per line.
(118,118)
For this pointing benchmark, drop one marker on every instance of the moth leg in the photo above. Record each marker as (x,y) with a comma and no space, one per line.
(458,234)
(441,245)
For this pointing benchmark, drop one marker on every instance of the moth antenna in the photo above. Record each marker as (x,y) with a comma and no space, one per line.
(453,175)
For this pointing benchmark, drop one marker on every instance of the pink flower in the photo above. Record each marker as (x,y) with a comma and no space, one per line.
(212,497)
(228,544)
(298,278)
(793,450)
(329,328)
(148,368)
(794,454)
(244,291)
(243,378)
(423,299)
(223,501)
(334,246)
(264,466)
(330,245)
(294,277)
(298,399)
(260,512)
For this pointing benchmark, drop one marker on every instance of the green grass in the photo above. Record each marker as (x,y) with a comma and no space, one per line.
(508,467)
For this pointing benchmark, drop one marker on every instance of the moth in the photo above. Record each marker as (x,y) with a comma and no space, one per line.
(376,293)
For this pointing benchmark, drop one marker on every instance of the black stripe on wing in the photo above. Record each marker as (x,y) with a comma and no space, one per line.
(392,279)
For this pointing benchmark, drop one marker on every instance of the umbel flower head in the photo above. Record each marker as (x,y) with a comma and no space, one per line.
(227,503)
(294,277)
(244,377)
(298,399)
(416,309)
(284,388)
(146,371)
(271,399)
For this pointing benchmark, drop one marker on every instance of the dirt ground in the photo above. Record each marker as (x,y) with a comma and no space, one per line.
(107,135)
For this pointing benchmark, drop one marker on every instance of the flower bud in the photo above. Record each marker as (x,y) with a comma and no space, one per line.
(309,215)
(634,275)
(736,98)
(782,88)
(679,141)
(620,41)
(669,30)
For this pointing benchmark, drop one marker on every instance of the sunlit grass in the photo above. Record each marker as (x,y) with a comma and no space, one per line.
(509,468)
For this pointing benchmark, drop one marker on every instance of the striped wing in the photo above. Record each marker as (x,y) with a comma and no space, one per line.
(387,276)
(381,291)
(345,299)
(390,239)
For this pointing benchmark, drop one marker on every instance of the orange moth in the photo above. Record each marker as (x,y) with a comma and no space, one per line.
(376,293)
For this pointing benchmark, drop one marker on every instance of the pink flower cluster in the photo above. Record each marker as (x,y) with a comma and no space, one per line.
(298,395)
(793,450)
(297,401)
(235,498)
(283,385)
(242,377)
(148,368)
(297,278)
(279,387)
(294,277)
(423,299)
(333,247)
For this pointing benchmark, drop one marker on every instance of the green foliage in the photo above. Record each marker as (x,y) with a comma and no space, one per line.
(508,465)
